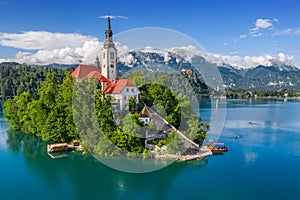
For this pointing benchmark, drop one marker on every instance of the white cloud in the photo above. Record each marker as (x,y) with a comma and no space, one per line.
(256,34)
(75,48)
(250,61)
(264,23)
(283,32)
(268,60)
(50,47)
(86,54)
(43,40)
(243,36)
(287,32)
(285,58)
(261,24)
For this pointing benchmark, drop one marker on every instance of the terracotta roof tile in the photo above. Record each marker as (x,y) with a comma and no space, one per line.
(96,74)
(83,70)
(116,88)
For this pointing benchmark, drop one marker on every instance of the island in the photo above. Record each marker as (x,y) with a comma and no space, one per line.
(109,115)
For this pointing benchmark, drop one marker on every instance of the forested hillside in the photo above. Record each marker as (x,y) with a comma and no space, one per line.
(17,78)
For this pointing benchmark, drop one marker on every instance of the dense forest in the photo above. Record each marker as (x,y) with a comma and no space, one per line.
(47,113)
(16,78)
(63,110)
(245,94)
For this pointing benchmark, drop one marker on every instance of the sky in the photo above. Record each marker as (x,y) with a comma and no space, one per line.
(245,33)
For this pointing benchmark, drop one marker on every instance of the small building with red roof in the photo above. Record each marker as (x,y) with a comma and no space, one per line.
(145,115)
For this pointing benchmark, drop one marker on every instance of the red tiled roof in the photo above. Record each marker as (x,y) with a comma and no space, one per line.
(83,70)
(96,74)
(116,88)
(109,88)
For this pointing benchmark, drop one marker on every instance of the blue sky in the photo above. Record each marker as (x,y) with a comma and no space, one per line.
(252,29)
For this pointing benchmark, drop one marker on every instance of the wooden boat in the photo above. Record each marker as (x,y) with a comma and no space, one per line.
(219,148)
(58,147)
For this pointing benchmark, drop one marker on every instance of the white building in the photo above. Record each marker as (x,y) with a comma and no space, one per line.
(121,91)
(145,115)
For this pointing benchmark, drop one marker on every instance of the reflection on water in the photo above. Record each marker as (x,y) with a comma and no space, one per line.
(250,157)
(82,176)
(3,129)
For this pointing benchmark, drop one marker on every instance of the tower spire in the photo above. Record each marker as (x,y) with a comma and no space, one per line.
(108,32)
(108,24)
(109,64)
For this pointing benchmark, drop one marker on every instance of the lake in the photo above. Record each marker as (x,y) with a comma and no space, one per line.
(264,163)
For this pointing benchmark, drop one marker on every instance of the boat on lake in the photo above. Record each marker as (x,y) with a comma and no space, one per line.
(219,148)
(58,147)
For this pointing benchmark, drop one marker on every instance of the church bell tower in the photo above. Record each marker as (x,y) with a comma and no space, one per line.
(109,68)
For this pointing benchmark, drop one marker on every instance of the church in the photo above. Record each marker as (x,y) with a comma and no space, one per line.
(106,72)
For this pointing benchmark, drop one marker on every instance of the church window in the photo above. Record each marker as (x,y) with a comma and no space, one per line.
(127,89)
(112,66)
(112,55)
(103,66)
(132,90)
(104,55)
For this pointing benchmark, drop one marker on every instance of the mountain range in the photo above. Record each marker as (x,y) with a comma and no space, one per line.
(276,76)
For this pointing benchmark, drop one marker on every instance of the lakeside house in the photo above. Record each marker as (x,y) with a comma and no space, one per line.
(106,72)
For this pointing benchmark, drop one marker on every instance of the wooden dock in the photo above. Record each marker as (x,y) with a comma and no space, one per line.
(204,151)
(54,149)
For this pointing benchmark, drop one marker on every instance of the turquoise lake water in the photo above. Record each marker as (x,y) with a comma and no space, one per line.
(264,163)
